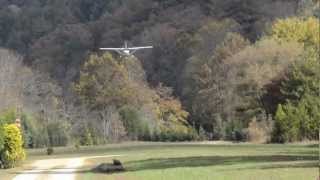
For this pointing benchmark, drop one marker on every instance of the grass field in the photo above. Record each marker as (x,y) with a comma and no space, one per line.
(192,161)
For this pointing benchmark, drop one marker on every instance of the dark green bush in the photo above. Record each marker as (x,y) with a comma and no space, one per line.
(145,134)
(58,133)
(235,131)
(77,146)
(86,138)
(131,122)
(174,136)
(50,151)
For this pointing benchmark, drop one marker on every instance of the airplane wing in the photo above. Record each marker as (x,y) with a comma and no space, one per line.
(126,51)
(113,49)
(118,50)
(137,48)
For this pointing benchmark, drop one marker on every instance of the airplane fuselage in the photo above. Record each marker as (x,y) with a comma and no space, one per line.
(126,51)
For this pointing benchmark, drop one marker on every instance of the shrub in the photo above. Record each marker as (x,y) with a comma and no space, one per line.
(297,122)
(171,135)
(8,116)
(131,122)
(1,136)
(235,131)
(77,146)
(155,136)
(145,134)
(202,134)
(12,152)
(58,133)
(86,138)
(5,117)
(50,151)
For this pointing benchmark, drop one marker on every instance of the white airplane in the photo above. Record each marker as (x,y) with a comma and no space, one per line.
(126,51)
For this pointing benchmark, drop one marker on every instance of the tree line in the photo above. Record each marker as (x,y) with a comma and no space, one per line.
(233,70)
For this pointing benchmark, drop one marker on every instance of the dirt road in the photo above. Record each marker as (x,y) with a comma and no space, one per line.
(56,169)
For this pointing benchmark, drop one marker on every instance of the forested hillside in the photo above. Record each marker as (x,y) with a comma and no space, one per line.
(220,69)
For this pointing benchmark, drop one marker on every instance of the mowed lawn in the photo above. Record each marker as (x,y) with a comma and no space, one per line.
(212,162)
(194,161)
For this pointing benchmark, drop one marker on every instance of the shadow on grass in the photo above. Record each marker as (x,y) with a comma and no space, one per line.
(313,146)
(311,152)
(202,161)
(278,161)
(314,164)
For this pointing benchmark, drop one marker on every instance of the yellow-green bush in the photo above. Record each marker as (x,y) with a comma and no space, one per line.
(12,152)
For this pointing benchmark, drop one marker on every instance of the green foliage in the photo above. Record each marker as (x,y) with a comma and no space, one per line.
(234,131)
(104,81)
(309,8)
(50,151)
(8,116)
(298,122)
(58,133)
(34,132)
(39,133)
(304,31)
(207,91)
(171,135)
(1,136)
(281,126)
(200,50)
(30,127)
(213,33)
(113,87)
(132,122)
(145,134)
(171,112)
(174,125)
(256,67)
(86,138)
(13,151)
(298,119)
(40,137)
(303,78)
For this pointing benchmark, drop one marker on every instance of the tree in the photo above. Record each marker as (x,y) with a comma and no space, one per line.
(13,151)
(309,8)
(104,81)
(11,79)
(172,115)
(106,85)
(207,91)
(298,118)
(304,31)
(191,55)
(297,122)
(117,90)
(131,121)
(253,69)
(205,72)
(62,51)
